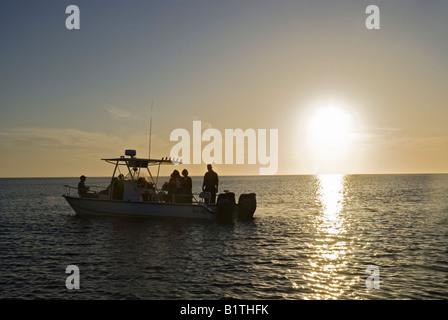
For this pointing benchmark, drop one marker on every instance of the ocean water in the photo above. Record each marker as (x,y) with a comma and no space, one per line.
(313,237)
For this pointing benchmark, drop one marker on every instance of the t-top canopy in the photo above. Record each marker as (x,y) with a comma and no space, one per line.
(134,162)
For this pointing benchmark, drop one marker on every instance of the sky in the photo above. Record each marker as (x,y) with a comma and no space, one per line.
(342,98)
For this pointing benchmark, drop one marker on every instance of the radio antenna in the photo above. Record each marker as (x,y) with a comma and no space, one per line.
(150,132)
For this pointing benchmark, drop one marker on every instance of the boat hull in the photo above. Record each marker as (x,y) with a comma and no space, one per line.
(87,206)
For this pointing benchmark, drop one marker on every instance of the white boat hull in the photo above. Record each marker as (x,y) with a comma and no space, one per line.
(87,206)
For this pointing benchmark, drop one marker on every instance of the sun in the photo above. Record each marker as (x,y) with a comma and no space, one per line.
(329,133)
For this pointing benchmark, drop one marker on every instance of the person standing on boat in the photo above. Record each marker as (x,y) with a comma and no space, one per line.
(174,186)
(210,183)
(186,186)
(82,188)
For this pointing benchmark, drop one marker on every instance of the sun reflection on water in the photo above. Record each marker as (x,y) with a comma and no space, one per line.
(327,276)
(330,198)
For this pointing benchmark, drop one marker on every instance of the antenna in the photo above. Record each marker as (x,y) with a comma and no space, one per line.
(150,132)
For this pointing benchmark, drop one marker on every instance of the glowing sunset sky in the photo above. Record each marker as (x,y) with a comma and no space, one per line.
(344,99)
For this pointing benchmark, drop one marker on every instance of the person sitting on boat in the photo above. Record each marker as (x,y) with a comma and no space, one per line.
(82,188)
(186,187)
(117,187)
(210,183)
(142,183)
(174,185)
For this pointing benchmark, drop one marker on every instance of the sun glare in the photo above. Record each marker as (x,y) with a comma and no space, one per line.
(329,133)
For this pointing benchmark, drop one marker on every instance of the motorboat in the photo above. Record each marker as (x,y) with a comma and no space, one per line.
(134,191)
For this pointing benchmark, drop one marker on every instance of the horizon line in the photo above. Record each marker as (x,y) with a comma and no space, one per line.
(245,175)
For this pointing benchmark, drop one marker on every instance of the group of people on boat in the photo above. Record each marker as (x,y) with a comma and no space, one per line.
(178,188)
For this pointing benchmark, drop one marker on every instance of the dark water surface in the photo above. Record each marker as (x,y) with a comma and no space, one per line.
(313,238)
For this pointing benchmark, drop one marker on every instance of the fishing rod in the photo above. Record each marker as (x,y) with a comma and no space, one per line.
(150,132)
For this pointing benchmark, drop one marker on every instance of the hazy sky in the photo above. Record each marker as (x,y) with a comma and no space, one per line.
(71,97)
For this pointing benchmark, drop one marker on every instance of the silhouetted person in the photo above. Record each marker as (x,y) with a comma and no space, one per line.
(118,188)
(210,183)
(82,188)
(186,187)
(174,185)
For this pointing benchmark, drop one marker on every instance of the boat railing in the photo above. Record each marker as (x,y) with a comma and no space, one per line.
(178,198)
(92,189)
(155,197)
(202,198)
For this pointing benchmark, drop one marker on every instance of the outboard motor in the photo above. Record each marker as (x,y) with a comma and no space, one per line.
(247,203)
(226,205)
